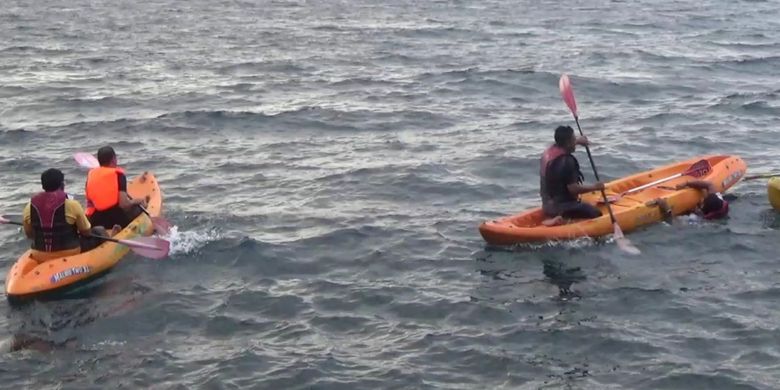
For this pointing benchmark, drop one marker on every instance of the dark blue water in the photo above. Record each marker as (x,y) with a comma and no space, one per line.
(327,163)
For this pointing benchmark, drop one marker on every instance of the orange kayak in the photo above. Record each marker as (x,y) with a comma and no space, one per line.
(28,279)
(630,210)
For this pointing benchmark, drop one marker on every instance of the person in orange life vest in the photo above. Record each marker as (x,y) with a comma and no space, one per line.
(712,205)
(55,222)
(108,204)
(561,180)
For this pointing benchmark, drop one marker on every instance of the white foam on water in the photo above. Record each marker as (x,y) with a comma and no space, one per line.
(576,243)
(110,343)
(191,240)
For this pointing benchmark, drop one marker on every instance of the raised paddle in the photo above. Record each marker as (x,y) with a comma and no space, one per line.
(151,247)
(568,96)
(86,160)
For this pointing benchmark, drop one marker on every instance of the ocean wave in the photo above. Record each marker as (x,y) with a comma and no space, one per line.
(308,118)
(260,68)
(33,50)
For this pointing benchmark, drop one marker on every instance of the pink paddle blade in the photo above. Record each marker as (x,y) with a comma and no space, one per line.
(622,242)
(3,220)
(700,169)
(86,160)
(151,247)
(161,225)
(567,93)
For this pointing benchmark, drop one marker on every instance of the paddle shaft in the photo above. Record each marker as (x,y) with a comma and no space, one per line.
(97,236)
(648,185)
(124,242)
(130,244)
(595,172)
(107,238)
(764,176)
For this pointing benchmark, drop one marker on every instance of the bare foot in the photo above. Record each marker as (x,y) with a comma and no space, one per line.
(553,221)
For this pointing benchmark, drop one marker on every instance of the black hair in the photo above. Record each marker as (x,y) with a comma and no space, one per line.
(563,134)
(105,155)
(52,180)
(711,204)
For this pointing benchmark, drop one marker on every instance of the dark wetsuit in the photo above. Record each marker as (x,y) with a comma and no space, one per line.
(561,172)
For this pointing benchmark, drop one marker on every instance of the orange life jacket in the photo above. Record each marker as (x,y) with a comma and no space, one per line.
(102,189)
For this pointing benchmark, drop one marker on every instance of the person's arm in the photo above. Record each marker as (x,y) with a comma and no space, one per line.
(699,185)
(124,199)
(27,222)
(571,176)
(582,141)
(80,218)
(577,188)
(663,205)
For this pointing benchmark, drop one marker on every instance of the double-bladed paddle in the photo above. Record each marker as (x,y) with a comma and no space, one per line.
(151,247)
(568,97)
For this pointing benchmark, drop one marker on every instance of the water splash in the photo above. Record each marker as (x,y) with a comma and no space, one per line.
(189,241)
(575,243)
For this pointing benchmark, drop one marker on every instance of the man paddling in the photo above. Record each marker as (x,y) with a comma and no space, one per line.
(55,222)
(712,205)
(561,181)
(106,190)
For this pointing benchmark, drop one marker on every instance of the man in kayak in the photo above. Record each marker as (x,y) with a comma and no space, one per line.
(561,181)
(55,222)
(108,204)
(712,205)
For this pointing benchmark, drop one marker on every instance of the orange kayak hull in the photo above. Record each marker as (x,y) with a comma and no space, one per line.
(630,211)
(29,279)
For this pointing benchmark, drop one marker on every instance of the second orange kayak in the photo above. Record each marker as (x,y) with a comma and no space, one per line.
(630,211)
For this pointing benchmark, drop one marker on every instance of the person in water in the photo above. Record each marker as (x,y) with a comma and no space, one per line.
(712,205)
(55,222)
(108,203)
(561,180)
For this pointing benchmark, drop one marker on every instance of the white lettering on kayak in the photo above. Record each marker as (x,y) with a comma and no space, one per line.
(84,269)
(731,179)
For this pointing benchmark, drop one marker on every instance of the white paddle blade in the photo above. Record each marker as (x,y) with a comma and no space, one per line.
(622,242)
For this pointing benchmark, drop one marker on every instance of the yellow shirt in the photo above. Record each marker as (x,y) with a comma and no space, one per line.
(74,215)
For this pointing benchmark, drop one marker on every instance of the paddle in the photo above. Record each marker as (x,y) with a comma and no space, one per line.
(568,97)
(699,169)
(762,176)
(86,160)
(151,247)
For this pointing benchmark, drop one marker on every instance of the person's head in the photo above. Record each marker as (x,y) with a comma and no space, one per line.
(564,138)
(106,156)
(713,207)
(52,180)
